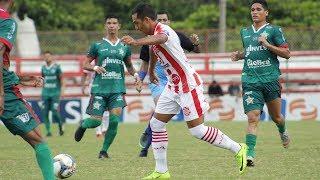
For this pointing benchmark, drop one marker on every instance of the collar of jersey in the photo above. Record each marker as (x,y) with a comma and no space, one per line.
(48,67)
(115,44)
(255,31)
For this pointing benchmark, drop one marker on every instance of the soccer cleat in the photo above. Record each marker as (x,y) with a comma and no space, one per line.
(143,140)
(49,134)
(285,139)
(79,133)
(103,155)
(157,175)
(241,158)
(143,153)
(61,132)
(250,162)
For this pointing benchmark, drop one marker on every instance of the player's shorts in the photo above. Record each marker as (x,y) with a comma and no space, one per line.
(156,90)
(256,94)
(18,116)
(98,104)
(193,103)
(51,102)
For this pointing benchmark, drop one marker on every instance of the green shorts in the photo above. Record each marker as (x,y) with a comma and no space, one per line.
(98,104)
(18,116)
(51,103)
(256,94)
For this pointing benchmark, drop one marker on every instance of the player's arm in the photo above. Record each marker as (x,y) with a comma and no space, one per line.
(148,40)
(83,82)
(62,84)
(2,50)
(87,66)
(133,72)
(237,55)
(191,44)
(33,81)
(145,57)
(152,64)
(279,51)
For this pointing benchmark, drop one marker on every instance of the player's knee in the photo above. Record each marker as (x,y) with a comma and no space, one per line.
(198,131)
(277,118)
(253,117)
(157,125)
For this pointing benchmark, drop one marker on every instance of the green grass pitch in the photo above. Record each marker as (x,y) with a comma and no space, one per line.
(188,157)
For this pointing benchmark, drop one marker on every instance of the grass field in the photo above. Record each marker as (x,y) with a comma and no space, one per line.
(188,158)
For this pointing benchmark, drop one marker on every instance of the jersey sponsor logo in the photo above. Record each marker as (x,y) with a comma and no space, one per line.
(98,97)
(50,85)
(111,75)
(175,78)
(50,78)
(251,48)
(248,93)
(258,63)
(246,37)
(102,50)
(119,98)
(24,117)
(111,61)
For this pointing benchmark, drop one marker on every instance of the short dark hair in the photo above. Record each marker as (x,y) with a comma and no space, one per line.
(47,52)
(163,12)
(144,10)
(108,16)
(262,2)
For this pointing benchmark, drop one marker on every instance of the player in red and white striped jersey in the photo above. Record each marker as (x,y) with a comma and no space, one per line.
(184,90)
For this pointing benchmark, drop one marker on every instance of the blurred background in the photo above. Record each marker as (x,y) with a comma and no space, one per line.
(66,28)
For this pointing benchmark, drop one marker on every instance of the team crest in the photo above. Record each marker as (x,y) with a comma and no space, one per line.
(249,100)
(121,52)
(186,111)
(265,34)
(96,105)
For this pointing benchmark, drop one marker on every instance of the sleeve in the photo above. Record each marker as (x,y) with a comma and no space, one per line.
(128,53)
(144,53)
(8,33)
(93,51)
(59,72)
(185,42)
(161,29)
(278,38)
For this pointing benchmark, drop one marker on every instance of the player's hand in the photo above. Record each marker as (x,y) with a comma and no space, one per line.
(1,104)
(263,41)
(99,69)
(194,39)
(129,40)
(235,56)
(83,90)
(153,78)
(34,81)
(137,82)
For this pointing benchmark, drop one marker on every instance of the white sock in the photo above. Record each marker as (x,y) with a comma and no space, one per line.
(215,136)
(159,144)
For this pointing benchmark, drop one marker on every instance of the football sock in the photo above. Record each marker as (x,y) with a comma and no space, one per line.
(251,143)
(46,119)
(57,117)
(90,123)
(282,127)
(159,144)
(215,136)
(111,132)
(45,161)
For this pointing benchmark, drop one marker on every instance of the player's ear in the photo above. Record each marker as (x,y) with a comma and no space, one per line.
(119,26)
(267,13)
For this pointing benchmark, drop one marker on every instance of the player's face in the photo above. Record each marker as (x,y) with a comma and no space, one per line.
(142,25)
(112,25)
(258,13)
(163,18)
(47,57)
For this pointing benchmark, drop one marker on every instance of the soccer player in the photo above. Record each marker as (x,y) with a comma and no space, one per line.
(108,87)
(262,43)
(86,79)
(16,114)
(183,91)
(191,44)
(51,91)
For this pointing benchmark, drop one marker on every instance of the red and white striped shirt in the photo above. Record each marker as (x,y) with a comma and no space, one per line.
(182,77)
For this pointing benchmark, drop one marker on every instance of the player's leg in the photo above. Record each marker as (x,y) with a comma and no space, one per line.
(115,103)
(253,102)
(146,138)
(96,108)
(272,96)
(105,122)
(45,113)
(20,120)
(194,106)
(166,108)
(56,113)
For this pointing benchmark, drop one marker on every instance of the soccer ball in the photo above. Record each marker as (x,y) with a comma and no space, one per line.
(64,166)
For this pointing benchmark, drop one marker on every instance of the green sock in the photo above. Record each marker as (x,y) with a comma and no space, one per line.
(281,127)
(46,120)
(251,143)
(111,132)
(45,160)
(56,116)
(90,123)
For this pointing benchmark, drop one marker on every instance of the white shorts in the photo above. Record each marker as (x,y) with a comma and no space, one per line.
(193,103)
